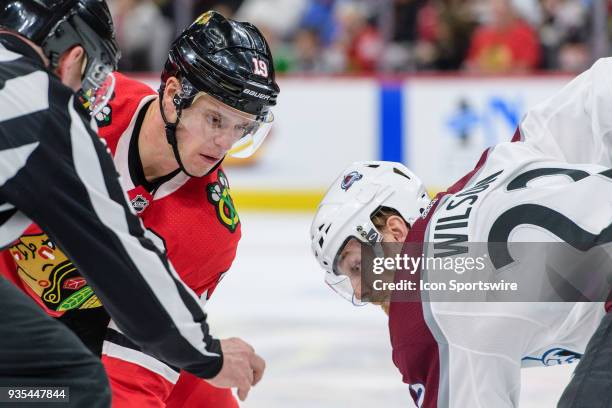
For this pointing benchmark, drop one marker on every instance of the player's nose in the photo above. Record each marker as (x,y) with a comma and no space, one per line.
(224,140)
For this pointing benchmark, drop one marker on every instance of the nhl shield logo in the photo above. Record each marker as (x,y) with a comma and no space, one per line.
(349,179)
(139,203)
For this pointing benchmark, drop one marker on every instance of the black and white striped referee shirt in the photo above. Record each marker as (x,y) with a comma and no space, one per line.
(55,171)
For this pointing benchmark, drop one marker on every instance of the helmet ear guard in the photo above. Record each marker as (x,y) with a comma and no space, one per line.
(185,96)
(178,102)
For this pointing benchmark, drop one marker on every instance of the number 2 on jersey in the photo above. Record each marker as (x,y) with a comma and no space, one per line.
(543,217)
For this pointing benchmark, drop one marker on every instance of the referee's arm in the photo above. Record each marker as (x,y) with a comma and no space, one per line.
(69,187)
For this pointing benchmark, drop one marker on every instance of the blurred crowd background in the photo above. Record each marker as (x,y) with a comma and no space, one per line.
(388,36)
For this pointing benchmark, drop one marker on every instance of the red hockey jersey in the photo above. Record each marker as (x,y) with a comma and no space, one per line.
(194,219)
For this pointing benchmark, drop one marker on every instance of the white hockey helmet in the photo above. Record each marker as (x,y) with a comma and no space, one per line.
(346,210)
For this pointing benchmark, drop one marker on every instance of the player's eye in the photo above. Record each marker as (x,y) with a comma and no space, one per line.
(241,130)
(246,129)
(214,120)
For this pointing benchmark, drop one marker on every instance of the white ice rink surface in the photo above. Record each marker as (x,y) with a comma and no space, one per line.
(321,352)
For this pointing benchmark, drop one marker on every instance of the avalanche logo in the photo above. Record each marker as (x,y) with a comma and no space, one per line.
(555,356)
(349,179)
(219,196)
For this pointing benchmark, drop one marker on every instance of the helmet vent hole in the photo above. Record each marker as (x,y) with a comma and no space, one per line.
(321,241)
(327,229)
(325,263)
(421,210)
(373,166)
(398,171)
(321,227)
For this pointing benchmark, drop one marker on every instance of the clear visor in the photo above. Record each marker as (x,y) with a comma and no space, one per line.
(96,93)
(345,277)
(241,132)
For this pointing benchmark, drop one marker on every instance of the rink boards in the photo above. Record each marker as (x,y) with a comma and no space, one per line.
(436,125)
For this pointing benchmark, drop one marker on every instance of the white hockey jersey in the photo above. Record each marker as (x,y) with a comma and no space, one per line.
(551,186)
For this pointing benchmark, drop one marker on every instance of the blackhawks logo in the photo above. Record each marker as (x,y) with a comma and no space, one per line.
(203,19)
(104,117)
(219,195)
(47,273)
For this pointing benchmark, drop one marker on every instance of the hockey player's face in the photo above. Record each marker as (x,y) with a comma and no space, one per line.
(348,264)
(359,284)
(208,129)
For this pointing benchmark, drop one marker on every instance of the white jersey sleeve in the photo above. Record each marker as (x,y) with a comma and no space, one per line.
(575,125)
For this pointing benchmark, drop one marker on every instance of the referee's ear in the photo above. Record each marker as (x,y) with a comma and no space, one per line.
(71,66)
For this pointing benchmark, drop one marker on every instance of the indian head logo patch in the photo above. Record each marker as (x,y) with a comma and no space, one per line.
(48,274)
(349,179)
(219,195)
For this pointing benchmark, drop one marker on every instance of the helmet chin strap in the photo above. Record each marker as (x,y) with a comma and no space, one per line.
(171,134)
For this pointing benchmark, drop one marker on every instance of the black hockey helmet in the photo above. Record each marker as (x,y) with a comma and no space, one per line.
(231,62)
(226,59)
(58,25)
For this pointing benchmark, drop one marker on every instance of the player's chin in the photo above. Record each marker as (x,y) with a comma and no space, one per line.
(198,168)
(199,171)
